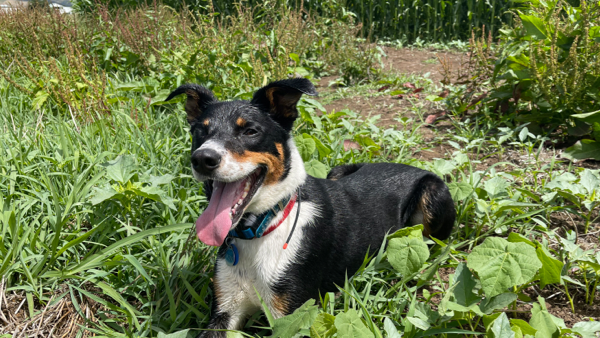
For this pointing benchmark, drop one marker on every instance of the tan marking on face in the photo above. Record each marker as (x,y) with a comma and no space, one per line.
(279,147)
(275,164)
(424,207)
(240,122)
(281,303)
(206,122)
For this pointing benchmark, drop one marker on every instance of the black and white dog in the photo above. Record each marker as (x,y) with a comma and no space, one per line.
(260,195)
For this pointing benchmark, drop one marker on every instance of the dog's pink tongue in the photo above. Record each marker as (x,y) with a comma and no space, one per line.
(214,223)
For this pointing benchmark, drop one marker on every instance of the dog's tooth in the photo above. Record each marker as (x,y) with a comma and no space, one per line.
(245,194)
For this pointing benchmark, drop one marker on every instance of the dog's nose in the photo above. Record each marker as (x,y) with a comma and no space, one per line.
(205,160)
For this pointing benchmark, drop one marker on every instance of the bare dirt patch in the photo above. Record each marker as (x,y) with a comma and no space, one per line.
(399,61)
(421,62)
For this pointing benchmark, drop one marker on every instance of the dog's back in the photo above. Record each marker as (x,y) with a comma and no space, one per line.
(430,201)
(356,210)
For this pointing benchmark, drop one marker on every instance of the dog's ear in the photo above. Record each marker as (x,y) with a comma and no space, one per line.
(198,98)
(279,99)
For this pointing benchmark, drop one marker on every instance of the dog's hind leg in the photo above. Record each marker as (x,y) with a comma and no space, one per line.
(432,206)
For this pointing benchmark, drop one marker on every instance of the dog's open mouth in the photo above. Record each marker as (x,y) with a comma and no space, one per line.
(227,204)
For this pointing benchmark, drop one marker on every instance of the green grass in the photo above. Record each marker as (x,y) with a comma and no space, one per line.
(96,217)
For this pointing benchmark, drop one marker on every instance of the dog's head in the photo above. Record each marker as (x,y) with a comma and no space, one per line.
(244,148)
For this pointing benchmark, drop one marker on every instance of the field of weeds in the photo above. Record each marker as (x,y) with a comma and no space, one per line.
(98,199)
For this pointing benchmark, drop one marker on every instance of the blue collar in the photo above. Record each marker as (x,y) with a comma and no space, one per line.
(260,223)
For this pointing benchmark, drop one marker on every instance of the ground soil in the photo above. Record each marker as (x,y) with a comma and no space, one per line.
(402,61)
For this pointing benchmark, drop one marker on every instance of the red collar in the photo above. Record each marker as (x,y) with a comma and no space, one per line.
(286,213)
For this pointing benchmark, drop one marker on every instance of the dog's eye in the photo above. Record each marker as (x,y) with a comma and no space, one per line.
(250,132)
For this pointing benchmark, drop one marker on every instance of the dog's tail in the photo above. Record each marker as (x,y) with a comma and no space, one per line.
(432,206)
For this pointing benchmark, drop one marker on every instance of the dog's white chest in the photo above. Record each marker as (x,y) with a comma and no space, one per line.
(262,263)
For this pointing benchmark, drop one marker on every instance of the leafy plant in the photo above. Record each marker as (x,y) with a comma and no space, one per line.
(545,73)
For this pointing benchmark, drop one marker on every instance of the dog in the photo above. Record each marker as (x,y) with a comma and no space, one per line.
(282,233)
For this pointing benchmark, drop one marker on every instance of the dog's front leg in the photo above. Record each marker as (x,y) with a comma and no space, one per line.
(231,303)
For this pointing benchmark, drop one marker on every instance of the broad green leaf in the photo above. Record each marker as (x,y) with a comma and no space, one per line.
(160,180)
(150,192)
(349,325)
(390,328)
(415,231)
(460,190)
(589,117)
(156,194)
(315,103)
(315,169)
(542,321)
(534,26)
(419,323)
(488,320)
(295,57)
(563,181)
(524,326)
(306,146)
(501,327)
(407,254)
(500,301)
(514,237)
(426,313)
(496,186)
(160,97)
(323,149)
(523,134)
(120,169)
(517,331)
(101,195)
(39,99)
(443,167)
(465,285)
(367,143)
(323,326)
(302,318)
(466,309)
(549,196)
(589,181)
(551,268)
(501,264)
(178,334)
(582,150)
(587,329)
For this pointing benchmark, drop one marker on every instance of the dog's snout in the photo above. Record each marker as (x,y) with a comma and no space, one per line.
(206,160)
